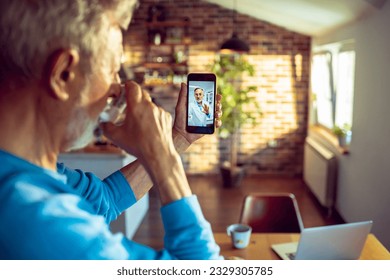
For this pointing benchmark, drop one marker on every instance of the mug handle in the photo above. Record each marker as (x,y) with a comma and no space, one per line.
(228,230)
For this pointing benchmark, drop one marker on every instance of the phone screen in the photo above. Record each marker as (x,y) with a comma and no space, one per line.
(201,103)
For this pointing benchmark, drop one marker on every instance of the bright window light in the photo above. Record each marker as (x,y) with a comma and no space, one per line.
(332,86)
(345,88)
(321,88)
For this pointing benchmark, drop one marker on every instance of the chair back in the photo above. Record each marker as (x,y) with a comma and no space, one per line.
(271,212)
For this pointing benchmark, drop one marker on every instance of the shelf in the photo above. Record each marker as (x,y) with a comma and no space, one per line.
(157,65)
(161,69)
(183,43)
(168,23)
(330,138)
(161,85)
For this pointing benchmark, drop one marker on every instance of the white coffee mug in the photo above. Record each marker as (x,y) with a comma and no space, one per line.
(240,234)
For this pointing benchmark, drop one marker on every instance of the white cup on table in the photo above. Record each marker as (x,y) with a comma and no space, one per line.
(240,235)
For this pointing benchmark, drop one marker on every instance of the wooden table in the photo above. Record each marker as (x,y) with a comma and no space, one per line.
(259,247)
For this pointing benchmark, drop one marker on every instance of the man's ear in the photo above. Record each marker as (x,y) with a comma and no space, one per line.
(61,69)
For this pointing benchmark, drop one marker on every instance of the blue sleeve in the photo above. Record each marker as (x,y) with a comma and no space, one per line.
(39,224)
(188,234)
(109,197)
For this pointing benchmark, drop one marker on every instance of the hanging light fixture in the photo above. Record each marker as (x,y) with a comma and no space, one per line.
(234,44)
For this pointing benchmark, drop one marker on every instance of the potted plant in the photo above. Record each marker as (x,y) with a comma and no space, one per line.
(341,133)
(230,70)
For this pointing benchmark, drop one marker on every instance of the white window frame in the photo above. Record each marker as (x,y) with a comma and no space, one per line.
(335,97)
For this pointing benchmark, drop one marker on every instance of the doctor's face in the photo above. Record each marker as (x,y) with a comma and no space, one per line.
(198,93)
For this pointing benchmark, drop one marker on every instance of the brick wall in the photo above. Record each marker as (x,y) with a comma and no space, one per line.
(281,59)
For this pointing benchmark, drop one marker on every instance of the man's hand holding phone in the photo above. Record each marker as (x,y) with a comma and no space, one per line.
(181,138)
(123,136)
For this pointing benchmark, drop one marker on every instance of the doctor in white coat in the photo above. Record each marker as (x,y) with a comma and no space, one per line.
(199,110)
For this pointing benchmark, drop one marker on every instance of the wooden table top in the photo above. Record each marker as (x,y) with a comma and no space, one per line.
(259,247)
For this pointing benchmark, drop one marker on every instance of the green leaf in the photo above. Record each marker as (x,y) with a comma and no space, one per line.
(230,71)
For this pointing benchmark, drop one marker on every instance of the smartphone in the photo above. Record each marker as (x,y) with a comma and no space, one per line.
(201,89)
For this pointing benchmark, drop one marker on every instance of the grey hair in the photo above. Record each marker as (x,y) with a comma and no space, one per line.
(198,88)
(32,30)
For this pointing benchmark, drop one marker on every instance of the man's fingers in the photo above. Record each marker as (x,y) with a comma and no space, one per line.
(218,123)
(146,95)
(134,96)
(133,92)
(109,129)
(219,97)
(218,111)
(218,106)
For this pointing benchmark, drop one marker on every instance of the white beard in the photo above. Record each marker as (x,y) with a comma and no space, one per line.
(81,130)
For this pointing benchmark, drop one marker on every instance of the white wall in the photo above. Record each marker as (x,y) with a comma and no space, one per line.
(364,174)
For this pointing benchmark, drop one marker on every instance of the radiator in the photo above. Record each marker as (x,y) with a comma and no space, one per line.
(320,173)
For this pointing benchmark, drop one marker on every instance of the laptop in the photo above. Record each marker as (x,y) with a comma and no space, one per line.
(335,242)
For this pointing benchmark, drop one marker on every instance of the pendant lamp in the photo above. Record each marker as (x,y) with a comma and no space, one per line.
(234,44)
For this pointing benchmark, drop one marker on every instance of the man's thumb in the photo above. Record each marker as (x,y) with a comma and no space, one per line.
(181,101)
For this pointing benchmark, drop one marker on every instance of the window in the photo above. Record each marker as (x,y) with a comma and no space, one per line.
(332,85)
(322,88)
(345,88)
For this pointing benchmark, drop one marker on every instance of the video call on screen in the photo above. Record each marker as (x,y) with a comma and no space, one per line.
(195,117)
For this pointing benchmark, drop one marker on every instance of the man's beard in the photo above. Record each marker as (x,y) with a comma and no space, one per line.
(81,130)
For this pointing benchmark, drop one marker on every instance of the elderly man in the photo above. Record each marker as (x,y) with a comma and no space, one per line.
(199,110)
(58,65)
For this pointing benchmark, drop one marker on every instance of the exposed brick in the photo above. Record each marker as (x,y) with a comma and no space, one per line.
(282,93)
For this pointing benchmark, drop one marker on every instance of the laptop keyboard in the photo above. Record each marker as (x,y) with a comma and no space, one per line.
(291,256)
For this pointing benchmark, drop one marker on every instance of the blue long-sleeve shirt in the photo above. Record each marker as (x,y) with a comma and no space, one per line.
(66,215)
